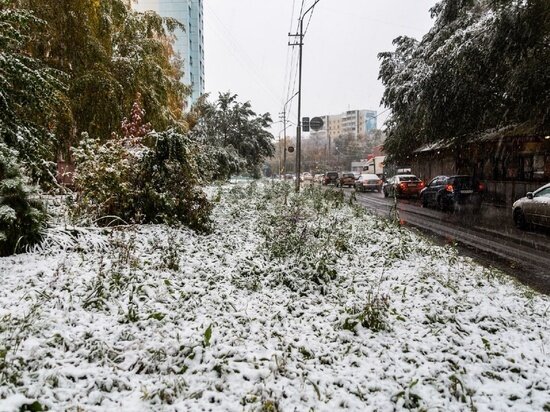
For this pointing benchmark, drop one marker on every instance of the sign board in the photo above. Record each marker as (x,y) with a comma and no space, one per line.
(290,149)
(316,123)
(305,124)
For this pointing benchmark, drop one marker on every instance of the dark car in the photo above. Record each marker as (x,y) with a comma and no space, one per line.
(533,209)
(331,178)
(453,192)
(403,186)
(368,182)
(347,179)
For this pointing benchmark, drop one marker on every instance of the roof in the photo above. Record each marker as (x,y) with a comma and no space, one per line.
(521,131)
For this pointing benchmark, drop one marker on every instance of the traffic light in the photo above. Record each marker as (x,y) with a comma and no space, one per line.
(305,124)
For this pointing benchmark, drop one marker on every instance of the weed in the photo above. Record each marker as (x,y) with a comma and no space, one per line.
(373,315)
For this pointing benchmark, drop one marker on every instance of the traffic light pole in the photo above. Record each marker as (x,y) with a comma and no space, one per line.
(300,43)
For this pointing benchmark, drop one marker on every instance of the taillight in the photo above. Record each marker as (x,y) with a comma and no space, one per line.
(481,187)
(421,184)
(449,188)
(403,185)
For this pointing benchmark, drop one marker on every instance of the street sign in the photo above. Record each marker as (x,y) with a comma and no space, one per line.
(316,123)
(305,124)
(290,149)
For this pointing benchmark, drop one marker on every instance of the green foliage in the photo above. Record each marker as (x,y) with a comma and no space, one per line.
(482,66)
(138,178)
(106,53)
(207,336)
(140,184)
(372,316)
(304,235)
(22,217)
(31,94)
(232,137)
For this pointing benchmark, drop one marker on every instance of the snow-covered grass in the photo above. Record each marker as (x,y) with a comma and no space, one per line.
(309,305)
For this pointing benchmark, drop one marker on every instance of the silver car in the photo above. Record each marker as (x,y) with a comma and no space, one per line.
(533,209)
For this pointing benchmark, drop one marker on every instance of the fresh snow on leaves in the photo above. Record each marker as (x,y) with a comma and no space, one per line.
(309,305)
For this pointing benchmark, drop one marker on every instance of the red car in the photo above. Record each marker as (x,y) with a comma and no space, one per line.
(403,186)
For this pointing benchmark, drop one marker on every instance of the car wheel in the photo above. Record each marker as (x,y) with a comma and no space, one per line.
(519,219)
(386,194)
(441,204)
(424,201)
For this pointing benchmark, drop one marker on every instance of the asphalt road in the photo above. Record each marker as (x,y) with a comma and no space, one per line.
(490,236)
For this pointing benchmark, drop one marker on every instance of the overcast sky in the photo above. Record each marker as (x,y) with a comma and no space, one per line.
(246,50)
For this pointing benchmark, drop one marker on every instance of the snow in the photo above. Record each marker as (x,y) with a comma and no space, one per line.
(100,319)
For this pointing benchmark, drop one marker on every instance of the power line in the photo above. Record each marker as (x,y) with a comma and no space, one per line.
(241,55)
(309,21)
(288,53)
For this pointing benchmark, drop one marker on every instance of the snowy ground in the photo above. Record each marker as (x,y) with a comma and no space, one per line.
(311,306)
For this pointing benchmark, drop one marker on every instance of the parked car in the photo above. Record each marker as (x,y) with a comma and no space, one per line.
(403,186)
(452,192)
(318,178)
(347,179)
(368,182)
(533,209)
(331,178)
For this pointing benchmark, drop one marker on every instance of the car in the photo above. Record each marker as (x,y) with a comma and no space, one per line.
(533,209)
(307,177)
(318,178)
(347,179)
(331,178)
(403,186)
(368,182)
(453,192)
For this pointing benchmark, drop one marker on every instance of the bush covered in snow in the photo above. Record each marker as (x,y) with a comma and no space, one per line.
(22,218)
(136,183)
(142,176)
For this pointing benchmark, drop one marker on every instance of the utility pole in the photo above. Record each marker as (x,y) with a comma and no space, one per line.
(284,128)
(300,44)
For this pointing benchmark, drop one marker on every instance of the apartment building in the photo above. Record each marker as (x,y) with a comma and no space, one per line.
(189,44)
(351,123)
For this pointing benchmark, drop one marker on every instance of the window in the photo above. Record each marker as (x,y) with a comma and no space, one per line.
(543,193)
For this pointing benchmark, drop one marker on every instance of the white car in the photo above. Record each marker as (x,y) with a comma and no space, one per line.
(533,209)
(368,182)
(319,178)
(307,177)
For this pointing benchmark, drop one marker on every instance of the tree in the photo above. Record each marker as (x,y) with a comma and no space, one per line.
(22,217)
(109,53)
(482,66)
(31,94)
(233,138)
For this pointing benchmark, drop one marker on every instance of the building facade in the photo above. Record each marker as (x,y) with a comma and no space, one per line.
(509,164)
(189,44)
(354,123)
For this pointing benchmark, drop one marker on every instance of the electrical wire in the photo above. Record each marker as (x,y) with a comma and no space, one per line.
(239,53)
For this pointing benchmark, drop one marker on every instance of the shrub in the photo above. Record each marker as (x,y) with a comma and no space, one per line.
(150,180)
(22,218)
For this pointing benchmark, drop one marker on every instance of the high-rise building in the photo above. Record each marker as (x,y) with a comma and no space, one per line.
(354,123)
(189,44)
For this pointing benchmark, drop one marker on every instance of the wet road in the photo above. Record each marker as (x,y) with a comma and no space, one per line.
(490,236)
